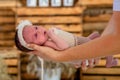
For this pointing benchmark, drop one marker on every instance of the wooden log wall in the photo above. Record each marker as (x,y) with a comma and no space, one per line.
(10,3)
(7,27)
(7,22)
(96,19)
(100,72)
(96,15)
(12,61)
(69,19)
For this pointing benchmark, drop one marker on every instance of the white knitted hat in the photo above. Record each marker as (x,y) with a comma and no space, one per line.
(20,28)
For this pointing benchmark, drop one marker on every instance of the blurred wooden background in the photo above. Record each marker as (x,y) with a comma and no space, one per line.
(84,17)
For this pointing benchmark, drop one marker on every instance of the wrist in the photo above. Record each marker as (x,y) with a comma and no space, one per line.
(116,5)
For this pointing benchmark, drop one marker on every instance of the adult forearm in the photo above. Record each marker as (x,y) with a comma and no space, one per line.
(103,46)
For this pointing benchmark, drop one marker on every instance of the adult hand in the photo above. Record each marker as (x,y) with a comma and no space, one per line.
(44,52)
(51,54)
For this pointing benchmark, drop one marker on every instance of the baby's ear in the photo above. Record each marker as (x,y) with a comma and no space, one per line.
(94,35)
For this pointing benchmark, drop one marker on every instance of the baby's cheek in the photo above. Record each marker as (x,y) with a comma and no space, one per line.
(27,37)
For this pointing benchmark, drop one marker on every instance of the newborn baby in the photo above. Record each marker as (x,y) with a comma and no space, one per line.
(55,38)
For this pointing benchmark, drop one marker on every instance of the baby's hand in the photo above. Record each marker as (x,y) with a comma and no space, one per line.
(60,43)
(51,34)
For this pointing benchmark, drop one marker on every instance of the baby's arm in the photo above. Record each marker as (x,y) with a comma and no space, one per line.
(53,45)
(58,42)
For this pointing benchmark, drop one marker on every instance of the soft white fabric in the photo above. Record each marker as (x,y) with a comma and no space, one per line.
(69,38)
(20,27)
(116,5)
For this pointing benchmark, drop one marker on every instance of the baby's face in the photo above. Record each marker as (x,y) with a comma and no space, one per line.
(35,34)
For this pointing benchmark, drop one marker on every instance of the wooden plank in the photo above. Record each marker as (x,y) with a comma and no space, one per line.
(100,77)
(53,19)
(7,27)
(9,53)
(97,11)
(94,26)
(49,11)
(6,36)
(11,58)
(6,43)
(7,19)
(70,28)
(24,67)
(95,2)
(11,62)
(115,71)
(9,3)
(31,77)
(12,70)
(25,59)
(6,12)
(14,77)
(98,18)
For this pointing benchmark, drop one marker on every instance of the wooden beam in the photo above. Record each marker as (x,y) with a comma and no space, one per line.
(104,70)
(98,18)
(5,36)
(6,43)
(53,19)
(94,26)
(100,77)
(9,3)
(6,12)
(12,70)
(7,27)
(11,62)
(69,28)
(7,19)
(95,2)
(49,11)
(25,76)
(9,53)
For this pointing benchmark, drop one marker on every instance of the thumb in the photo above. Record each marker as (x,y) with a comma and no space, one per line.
(34,46)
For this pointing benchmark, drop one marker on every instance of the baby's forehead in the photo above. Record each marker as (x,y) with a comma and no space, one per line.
(27,28)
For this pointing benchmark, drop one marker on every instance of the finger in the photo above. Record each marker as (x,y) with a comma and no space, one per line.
(34,46)
(96,61)
(91,63)
(84,66)
(31,52)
